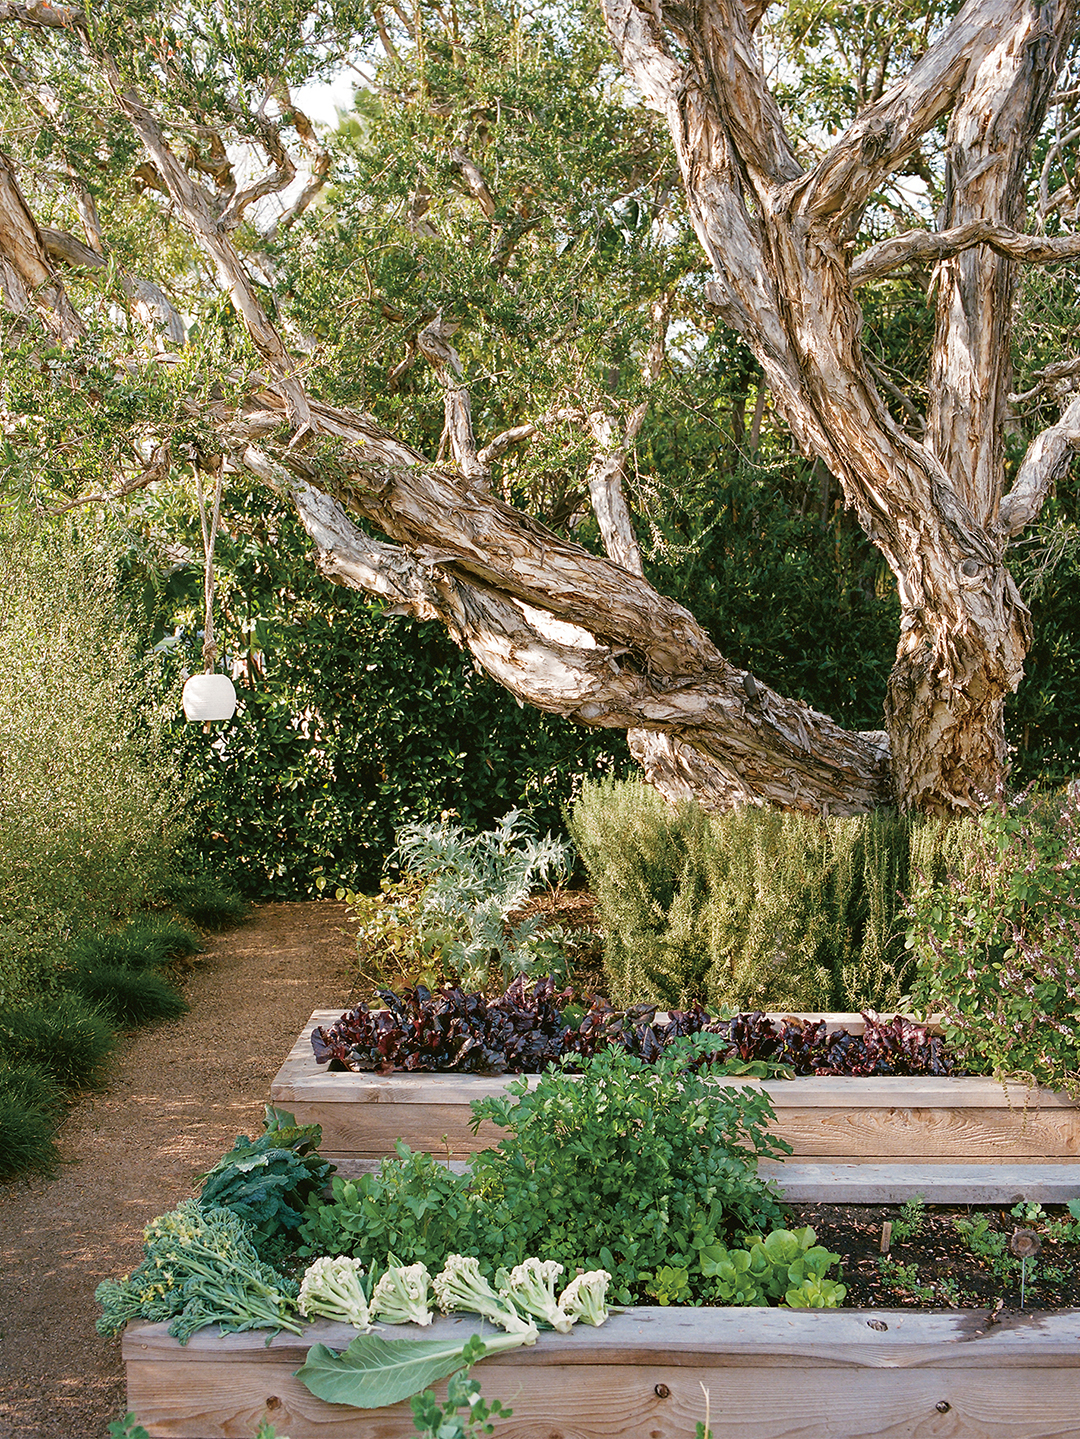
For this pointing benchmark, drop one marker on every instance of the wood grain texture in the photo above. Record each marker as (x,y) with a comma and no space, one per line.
(770,1373)
(828,1118)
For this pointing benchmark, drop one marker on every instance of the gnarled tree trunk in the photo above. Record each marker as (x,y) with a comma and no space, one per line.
(587,636)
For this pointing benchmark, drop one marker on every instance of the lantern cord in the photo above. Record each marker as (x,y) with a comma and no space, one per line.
(209,536)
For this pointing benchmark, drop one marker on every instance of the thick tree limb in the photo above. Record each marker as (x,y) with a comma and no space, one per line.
(930,246)
(885,134)
(26,277)
(1048,457)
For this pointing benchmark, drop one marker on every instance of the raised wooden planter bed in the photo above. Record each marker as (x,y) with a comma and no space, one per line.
(771,1374)
(838,1121)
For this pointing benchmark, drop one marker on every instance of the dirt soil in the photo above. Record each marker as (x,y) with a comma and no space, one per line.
(180,1093)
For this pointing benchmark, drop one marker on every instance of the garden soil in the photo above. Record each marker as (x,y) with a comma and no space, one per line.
(179,1094)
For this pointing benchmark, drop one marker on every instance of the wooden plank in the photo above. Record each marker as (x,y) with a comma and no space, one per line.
(850,1338)
(946,1133)
(936,1183)
(851,1183)
(368,1131)
(770,1374)
(842,1119)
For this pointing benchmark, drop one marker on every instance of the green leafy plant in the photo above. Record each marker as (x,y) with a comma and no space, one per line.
(1066,1230)
(464,1414)
(200,1267)
(268,1181)
(628,1168)
(998,945)
(373,1372)
(752,909)
(912,1220)
(986,1243)
(453,915)
(905,1279)
(414,1207)
(127,1428)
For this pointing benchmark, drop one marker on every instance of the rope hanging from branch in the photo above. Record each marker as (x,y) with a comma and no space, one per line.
(209,536)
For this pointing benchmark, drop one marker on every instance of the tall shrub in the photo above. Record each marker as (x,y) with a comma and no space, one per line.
(752,909)
(90,799)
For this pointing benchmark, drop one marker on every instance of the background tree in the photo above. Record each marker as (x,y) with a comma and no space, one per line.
(562,628)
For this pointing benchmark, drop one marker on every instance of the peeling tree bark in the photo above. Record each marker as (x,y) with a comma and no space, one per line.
(780,242)
(588,637)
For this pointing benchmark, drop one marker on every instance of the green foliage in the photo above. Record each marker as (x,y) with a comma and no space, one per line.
(267,1181)
(452,916)
(912,1220)
(202,897)
(414,1208)
(780,575)
(127,1428)
(27,1138)
(127,996)
(998,944)
(349,725)
(33,1086)
(752,909)
(89,797)
(373,1372)
(628,1168)
(464,1414)
(66,1037)
(148,942)
(647,1172)
(200,1267)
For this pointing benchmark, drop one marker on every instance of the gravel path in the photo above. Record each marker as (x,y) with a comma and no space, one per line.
(179,1094)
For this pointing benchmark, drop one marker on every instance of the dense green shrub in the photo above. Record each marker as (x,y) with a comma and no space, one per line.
(203,897)
(27,1139)
(349,724)
(754,908)
(67,1037)
(998,943)
(31,1085)
(127,996)
(90,796)
(148,942)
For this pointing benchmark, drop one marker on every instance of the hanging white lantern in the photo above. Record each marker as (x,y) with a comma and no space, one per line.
(209,697)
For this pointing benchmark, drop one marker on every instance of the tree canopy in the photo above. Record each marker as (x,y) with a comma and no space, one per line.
(537,299)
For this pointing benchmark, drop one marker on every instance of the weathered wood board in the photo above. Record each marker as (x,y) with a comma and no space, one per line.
(770,1374)
(835,1120)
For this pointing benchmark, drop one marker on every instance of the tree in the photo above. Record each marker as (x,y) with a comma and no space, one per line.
(783,228)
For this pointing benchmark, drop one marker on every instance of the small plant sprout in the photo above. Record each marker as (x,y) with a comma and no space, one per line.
(584,1298)
(531,1287)
(401,1295)
(331,1288)
(462,1286)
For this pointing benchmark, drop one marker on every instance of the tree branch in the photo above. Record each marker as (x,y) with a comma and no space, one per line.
(150,303)
(1048,458)
(26,278)
(885,134)
(1063,370)
(926,246)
